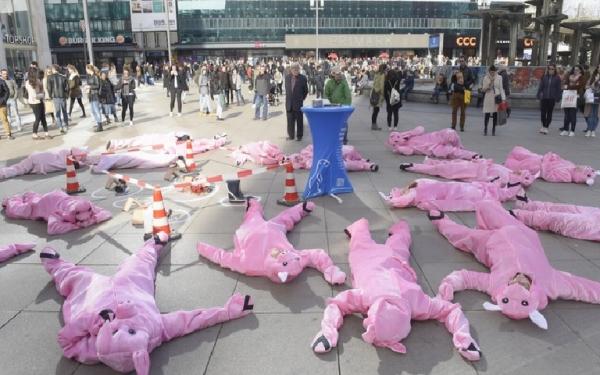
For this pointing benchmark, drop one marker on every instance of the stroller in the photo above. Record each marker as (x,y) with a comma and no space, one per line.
(273,94)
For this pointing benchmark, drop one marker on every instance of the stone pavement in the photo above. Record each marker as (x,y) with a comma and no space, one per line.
(276,338)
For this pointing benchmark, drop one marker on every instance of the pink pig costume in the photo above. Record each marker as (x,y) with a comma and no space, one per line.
(569,220)
(174,143)
(450,195)
(353,159)
(550,166)
(261,153)
(262,248)
(64,213)
(44,162)
(12,250)
(385,289)
(443,144)
(137,159)
(115,320)
(521,280)
(483,170)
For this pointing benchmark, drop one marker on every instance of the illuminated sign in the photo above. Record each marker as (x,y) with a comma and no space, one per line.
(528,42)
(466,41)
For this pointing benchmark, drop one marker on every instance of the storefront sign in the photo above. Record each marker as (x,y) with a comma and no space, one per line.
(18,39)
(528,42)
(434,41)
(466,41)
(64,41)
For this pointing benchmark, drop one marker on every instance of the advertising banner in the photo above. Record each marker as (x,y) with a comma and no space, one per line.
(149,15)
(201,4)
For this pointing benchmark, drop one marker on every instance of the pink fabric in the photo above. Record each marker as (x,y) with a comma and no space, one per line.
(64,213)
(450,196)
(115,320)
(43,162)
(9,251)
(137,159)
(483,170)
(509,248)
(385,289)
(170,142)
(261,153)
(262,248)
(550,166)
(565,219)
(443,144)
(353,159)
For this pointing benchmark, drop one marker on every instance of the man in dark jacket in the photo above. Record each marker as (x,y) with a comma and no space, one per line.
(549,93)
(296,90)
(466,72)
(4,94)
(262,87)
(58,89)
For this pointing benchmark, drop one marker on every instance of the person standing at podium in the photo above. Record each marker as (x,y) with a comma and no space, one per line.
(337,91)
(296,90)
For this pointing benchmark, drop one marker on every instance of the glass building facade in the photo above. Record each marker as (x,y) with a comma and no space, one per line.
(17,35)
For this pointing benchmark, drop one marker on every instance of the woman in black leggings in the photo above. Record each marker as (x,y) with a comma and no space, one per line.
(74,82)
(177,85)
(392,81)
(127,87)
(35,99)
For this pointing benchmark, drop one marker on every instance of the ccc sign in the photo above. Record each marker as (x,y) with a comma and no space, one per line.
(528,43)
(466,41)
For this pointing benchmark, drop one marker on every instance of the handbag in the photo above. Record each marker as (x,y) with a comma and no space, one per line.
(467,96)
(569,99)
(502,117)
(374,99)
(394,96)
(589,96)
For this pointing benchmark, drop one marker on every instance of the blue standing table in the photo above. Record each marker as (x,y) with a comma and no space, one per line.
(328,174)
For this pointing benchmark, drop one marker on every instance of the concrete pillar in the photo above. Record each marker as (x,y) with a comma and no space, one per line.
(492,41)
(2,53)
(555,39)
(512,48)
(535,52)
(40,32)
(595,50)
(483,40)
(543,44)
(576,46)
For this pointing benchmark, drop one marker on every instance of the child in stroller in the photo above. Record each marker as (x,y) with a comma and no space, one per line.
(273,94)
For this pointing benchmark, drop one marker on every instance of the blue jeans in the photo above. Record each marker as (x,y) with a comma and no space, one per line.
(60,106)
(95,104)
(261,101)
(239,97)
(13,111)
(592,119)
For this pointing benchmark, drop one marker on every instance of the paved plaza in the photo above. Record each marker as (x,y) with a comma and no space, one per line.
(276,338)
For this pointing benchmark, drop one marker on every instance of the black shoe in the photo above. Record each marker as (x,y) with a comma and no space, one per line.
(234,192)
(289,138)
(299,139)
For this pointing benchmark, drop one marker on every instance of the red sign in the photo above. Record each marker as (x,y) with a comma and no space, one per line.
(259,45)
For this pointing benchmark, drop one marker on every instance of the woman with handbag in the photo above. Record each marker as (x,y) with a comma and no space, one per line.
(574,80)
(592,96)
(48,103)
(74,82)
(494,95)
(93,81)
(35,98)
(548,93)
(376,98)
(457,89)
(392,97)
(126,87)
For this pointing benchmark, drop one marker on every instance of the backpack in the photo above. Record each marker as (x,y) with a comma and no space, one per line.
(394,96)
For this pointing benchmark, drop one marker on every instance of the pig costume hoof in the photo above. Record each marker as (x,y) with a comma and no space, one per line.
(435,215)
(49,253)
(374,168)
(405,166)
(248,304)
(321,345)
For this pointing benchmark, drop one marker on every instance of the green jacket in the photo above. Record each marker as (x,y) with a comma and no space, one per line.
(338,93)
(378,86)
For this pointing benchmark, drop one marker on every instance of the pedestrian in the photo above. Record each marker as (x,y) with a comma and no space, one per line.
(457,89)
(139,75)
(278,77)
(296,90)
(114,79)
(503,73)
(441,86)
(377,95)
(319,82)
(4,95)
(337,91)
(166,78)
(11,104)
(393,101)
(494,95)
(203,82)
(35,98)
(58,90)
(48,104)
(75,93)
(574,80)
(217,92)
(262,87)
(93,82)
(126,87)
(549,93)
(106,95)
(236,80)
(223,75)
(590,111)
(176,86)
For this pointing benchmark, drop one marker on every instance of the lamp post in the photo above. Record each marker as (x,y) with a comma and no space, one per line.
(88,32)
(167,9)
(317,5)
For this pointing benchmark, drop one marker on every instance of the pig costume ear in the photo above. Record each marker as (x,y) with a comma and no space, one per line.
(538,319)
(491,307)
(141,362)
(282,276)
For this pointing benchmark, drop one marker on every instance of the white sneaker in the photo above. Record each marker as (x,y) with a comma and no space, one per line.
(564,132)
(571,134)
(179,114)
(588,133)
(170,114)
(542,130)
(593,135)
(130,123)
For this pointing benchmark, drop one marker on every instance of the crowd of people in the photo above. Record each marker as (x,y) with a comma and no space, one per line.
(52,92)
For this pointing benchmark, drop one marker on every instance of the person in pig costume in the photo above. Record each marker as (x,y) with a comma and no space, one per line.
(262,248)
(385,291)
(427,194)
(12,250)
(521,280)
(172,143)
(119,323)
(63,213)
(45,162)
(550,166)
(568,220)
(261,153)
(483,170)
(353,159)
(136,159)
(443,144)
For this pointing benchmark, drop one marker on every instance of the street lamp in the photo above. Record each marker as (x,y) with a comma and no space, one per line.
(88,32)
(317,5)
(167,9)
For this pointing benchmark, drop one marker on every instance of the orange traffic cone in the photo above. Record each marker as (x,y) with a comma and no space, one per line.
(72,184)
(189,157)
(290,198)
(160,222)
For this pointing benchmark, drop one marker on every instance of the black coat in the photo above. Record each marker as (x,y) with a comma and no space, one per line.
(294,99)
(549,87)
(181,82)
(106,92)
